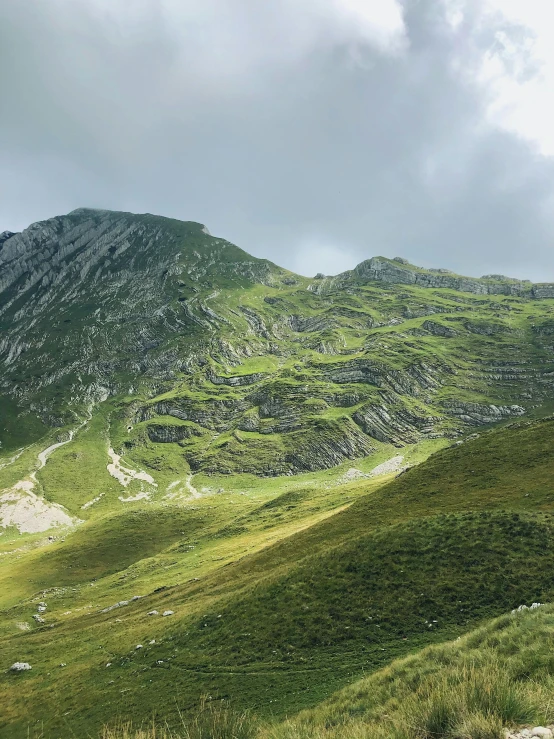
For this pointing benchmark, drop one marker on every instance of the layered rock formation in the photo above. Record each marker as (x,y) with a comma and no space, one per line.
(243,366)
(399,271)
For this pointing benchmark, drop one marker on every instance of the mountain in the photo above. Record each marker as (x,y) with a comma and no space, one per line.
(214,349)
(95,300)
(310,476)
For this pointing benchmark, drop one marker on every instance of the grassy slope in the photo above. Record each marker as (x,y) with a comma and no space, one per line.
(497,676)
(461,538)
(127,549)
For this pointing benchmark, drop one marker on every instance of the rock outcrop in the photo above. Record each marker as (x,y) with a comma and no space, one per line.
(395,272)
(439,329)
(20,667)
(167,434)
(476,414)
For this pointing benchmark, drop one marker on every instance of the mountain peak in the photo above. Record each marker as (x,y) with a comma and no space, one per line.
(85,211)
(5,235)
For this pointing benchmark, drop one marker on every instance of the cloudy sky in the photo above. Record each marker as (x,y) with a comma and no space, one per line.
(317,133)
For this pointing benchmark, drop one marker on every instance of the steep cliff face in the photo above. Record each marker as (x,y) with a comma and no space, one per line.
(243,366)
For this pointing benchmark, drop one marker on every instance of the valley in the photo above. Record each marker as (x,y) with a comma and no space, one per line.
(219,478)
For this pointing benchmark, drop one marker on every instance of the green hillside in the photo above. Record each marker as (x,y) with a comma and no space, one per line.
(313,477)
(497,677)
(415,561)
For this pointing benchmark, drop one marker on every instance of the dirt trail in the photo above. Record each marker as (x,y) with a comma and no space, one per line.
(43,456)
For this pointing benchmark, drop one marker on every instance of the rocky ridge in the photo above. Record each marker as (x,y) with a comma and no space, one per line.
(399,271)
(243,366)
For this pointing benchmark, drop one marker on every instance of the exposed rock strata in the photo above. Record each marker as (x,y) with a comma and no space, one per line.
(384,270)
(398,426)
(438,329)
(99,304)
(165,434)
(236,381)
(475,414)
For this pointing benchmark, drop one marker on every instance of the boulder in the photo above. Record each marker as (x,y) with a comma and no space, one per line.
(20,667)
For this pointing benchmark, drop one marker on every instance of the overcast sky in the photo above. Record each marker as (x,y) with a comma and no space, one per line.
(317,133)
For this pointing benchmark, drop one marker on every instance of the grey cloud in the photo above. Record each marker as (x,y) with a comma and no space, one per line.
(324,148)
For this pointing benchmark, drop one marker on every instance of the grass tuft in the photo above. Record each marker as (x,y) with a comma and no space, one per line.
(211,721)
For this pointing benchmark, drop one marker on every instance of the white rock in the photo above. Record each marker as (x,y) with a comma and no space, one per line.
(522,608)
(20,667)
(542,732)
(139,646)
(168,613)
(38,618)
(153,613)
(392,465)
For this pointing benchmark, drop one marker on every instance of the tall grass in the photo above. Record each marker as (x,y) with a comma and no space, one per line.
(499,676)
(211,721)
